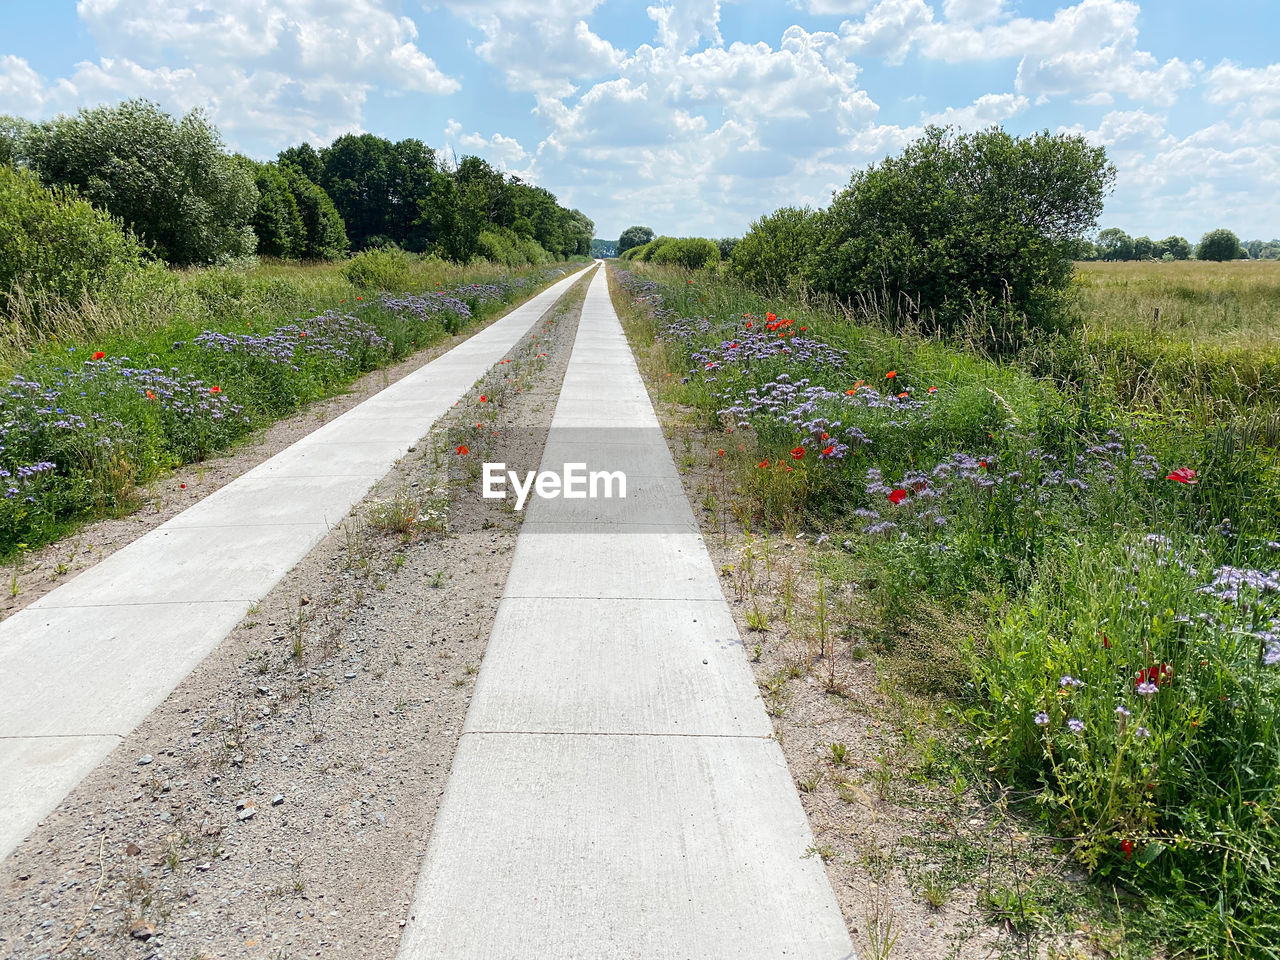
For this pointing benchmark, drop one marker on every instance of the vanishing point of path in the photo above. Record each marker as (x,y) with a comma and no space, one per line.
(617,791)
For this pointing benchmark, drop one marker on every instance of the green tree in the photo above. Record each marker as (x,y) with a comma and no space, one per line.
(277,220)
(1114,244)
(1143,248)
(963,222)
(323,235)
(692,253)
(14,132)
(380,188)
(1179,248)
(305,158)
(54,243)
(169,180)
(1220,244)
(633,237)
(773,253)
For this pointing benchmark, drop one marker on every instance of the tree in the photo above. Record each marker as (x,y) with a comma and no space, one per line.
(1143,248)
(1114,244)
(380,188)
(1254,248)
(305,158)
(633,237)
(962,222)
(170,181)
(773,252)
(276,221)
(604,248)
(1220,244)
(692,253)
(323,235)
(14,132)
(1179,248)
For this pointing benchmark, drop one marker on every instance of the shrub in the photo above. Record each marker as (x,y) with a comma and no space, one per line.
(692,253)
(633,237)
(965,220)
(53,244)
(381,268)
(772,254)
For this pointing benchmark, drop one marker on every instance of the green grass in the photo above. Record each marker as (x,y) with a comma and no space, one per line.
(1042,513)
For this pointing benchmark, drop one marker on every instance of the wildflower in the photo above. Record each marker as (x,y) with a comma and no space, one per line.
(1183,475)
(1068,682)
(150,395)
(99,355)
(891,374)
(850,393)
(897,496)
(933,389)
(183,486)
(719,453)
(1123,712)
(462,450)
(1127,847)
(797,453)
(1142,733)
(1155,675)
(1106,641)
(1042,719)
(762,465)
(483,398)
(827,451)
(1147,688)
(1076,726)
(215,389)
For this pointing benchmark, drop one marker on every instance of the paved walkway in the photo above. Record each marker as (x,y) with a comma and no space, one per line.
(617,791)
(83,665)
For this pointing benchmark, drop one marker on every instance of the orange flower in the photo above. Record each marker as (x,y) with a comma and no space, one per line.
(215,389)
(719,453)
(850,393)
(797,453)
(762,465)
(150,395)
(829,450)
(99,355)
(891,374)
(462,450)
(483,398)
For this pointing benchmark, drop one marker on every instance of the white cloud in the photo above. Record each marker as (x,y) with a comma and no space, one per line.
(1255,89)
(988,109)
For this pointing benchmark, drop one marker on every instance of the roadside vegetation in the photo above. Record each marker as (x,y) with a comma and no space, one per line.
(139,330)
(1088,512)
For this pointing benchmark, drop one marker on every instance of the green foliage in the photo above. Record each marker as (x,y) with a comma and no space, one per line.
(1114,244)
(965,221)
(14,132)
(169,180)
(277,220)
(692,253)
(772,254)
(633,237)
(1174,247)
(378,268)
(53,244)
(324,237)
(1220,244)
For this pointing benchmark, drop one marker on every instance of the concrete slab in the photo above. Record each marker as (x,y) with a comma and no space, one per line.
(50,766)
(111,688)
(586,666)
(656,565)
(649,500)
(567,847)
(268,499)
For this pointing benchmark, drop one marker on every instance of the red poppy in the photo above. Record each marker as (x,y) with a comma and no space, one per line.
(897,496)
(797,453)
(1162,673)
(802,328)
(183,486)
(748,324)
(99,355)
(303,333)
(933,389)
(150,395)
(788,468)
(1183,475)
(1127,847)
(826,436)
(719,453)
(462,450)
(762,465)
(903,395)
(891,374)
(829,450)
(483,398)
(215,389)
(733,346)
(850,393)
(984,465)
(1106,641)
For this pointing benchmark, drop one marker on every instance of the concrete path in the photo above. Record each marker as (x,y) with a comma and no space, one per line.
(83,665)
(617,791)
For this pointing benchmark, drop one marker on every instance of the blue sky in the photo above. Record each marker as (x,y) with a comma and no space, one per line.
(696,117)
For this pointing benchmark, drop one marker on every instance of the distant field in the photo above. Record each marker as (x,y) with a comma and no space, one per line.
(1212,351)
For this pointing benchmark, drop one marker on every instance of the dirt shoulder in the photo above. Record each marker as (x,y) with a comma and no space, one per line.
(278,804)
(37,572)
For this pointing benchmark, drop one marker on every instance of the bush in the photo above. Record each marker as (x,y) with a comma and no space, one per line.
(692,253)
(53,244)
(773,252)
(965,221)
(170,181)
(382,268)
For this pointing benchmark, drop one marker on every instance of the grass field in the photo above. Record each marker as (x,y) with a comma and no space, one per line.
(1100,550)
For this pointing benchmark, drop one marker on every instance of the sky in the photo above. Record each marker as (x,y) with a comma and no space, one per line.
(696,117)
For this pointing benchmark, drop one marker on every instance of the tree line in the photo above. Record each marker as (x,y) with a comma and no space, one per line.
(172,183)
(1221,244)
